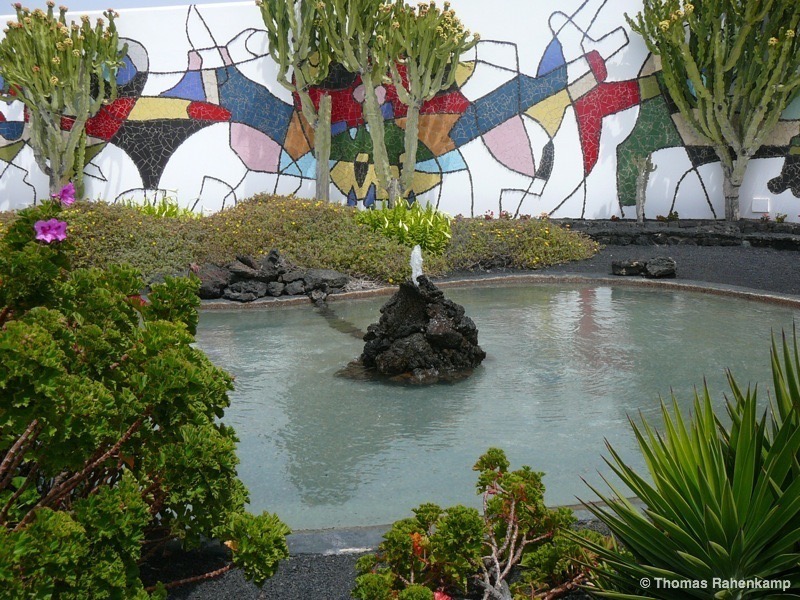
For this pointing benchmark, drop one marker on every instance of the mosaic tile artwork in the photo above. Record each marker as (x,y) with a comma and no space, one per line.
(551,112)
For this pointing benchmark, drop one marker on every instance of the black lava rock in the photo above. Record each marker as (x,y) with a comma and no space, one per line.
(422,337)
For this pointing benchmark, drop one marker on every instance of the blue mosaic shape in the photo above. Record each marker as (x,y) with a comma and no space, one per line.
(11,130)
(387,110)
(372,195)
(188,88)
(791,113)
(338,127)
(126,72)
(553,58)
(253,104)
(466,128)
(307,165)
(352,198)
(288,166)
(498,106)
(446,163)
(412,198)
(533,90)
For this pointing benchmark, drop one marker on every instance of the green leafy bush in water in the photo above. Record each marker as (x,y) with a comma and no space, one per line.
(410,224)
(723,505)
(109,431)
(444,550)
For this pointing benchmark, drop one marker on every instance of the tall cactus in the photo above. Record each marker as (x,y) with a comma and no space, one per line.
(357,33)
(63,73)
(428,42)
(731,67)
(295,43)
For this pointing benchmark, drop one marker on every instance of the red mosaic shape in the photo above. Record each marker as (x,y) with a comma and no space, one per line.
(205,111)
(606,99)
(598,65)
(105,124)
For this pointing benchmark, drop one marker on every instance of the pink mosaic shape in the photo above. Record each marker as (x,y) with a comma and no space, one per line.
(509,144)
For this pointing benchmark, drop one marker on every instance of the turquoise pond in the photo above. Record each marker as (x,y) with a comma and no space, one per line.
(565,366)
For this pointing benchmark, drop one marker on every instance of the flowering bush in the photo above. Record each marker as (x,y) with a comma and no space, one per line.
(110,444)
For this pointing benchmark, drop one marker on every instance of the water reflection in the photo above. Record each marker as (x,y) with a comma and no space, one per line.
(566,366)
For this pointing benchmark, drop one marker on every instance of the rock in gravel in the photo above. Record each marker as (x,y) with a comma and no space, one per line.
(660,267)
(627,267)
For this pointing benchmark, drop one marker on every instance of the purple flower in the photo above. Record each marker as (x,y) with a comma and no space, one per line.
(51,231)
(67,194)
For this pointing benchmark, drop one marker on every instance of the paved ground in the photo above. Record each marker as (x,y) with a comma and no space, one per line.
(320,577)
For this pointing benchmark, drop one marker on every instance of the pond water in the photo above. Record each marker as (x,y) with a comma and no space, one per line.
(565,366)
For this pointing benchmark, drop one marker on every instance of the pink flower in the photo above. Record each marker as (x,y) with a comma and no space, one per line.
(67,194)
(441,596)
(51,231)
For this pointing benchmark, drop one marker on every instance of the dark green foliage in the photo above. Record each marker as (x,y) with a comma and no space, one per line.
(109,437)
(724,502)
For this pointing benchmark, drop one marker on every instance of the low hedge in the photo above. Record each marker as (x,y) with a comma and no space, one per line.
(309,233)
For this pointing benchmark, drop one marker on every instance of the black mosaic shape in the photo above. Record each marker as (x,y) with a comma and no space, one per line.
(789,179)
(360,170)
(547,161)
(150,144)
(701,155)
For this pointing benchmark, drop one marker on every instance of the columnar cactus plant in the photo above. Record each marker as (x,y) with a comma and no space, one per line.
(428,42)
(295,43)
(357,33)
(63,73)
(731,67)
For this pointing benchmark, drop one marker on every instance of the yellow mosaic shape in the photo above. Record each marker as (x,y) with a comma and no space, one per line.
(147,109)
(549,113)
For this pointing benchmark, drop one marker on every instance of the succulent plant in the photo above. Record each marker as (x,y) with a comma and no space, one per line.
(295,43)
(731,67)
(356,32)
(428,43)
(63,73)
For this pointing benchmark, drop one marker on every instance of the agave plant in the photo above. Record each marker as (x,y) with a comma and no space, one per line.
(722,516)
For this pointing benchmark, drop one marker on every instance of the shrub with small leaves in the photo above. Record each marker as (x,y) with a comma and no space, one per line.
(452,550)
(109,432)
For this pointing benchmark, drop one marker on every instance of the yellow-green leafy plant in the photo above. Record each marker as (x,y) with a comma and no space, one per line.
(165,207)
(296,43)
(731,67)
(63,73)
(722,501)
(410,224)
(426,43)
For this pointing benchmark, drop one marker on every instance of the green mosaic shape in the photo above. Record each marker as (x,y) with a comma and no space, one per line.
(10,151)
(344,148)
(654,130)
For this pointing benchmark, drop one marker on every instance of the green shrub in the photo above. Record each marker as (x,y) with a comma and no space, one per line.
(310,234)
(111,234)
(513,243)
(410,224)
(446,549)
(724,502)
(109,428)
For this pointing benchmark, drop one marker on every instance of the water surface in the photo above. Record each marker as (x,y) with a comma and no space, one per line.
(565,366)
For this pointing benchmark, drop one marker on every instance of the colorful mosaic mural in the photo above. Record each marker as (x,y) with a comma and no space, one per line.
(550,112)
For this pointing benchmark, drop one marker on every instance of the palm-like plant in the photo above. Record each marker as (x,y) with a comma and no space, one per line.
(724,502)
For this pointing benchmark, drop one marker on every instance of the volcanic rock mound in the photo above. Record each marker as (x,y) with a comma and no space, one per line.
(422,337)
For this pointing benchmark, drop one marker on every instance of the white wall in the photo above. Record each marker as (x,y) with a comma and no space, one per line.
(218,51)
